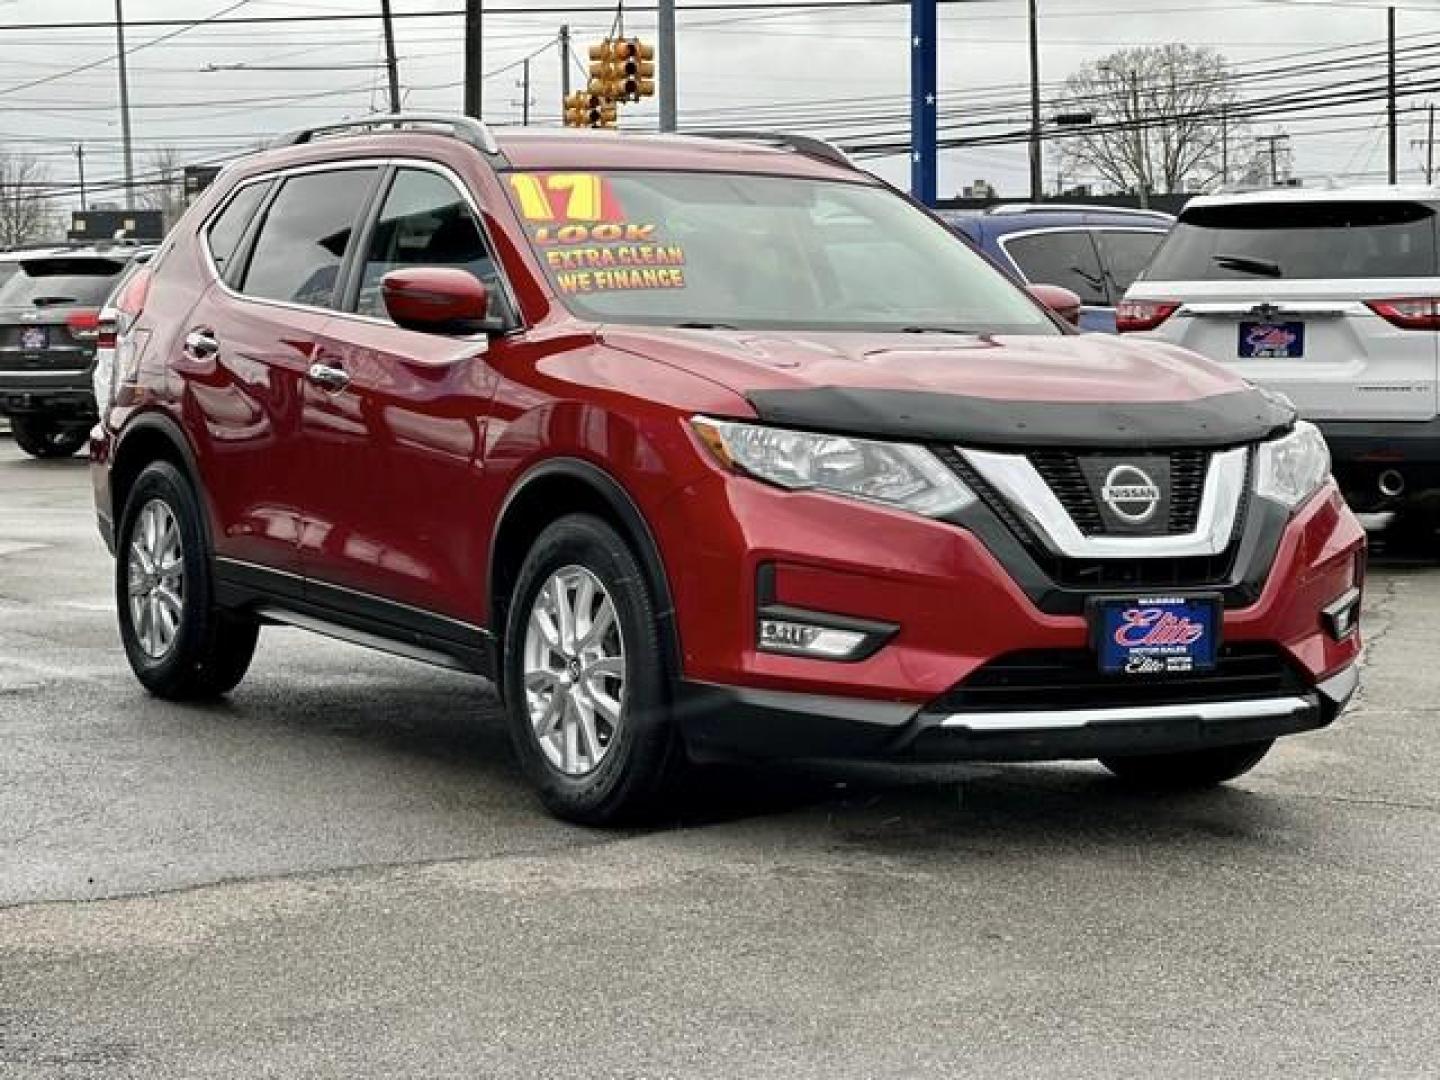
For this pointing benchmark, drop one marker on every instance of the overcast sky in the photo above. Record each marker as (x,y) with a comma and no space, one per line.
(728,62)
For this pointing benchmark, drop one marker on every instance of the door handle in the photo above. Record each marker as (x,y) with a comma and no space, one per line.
(329,378)
(201,344)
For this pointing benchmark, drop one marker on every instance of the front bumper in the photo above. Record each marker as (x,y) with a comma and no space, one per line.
(722,723)
(958,608)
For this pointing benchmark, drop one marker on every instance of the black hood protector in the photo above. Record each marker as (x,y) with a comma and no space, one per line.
(1240,416)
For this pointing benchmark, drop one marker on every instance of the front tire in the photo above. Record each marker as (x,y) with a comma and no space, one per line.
(585,679)
(44,437)
(180,645)
(1190,770)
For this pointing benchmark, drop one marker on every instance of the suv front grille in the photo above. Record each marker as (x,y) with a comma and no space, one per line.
(1061,470)
(1070,679)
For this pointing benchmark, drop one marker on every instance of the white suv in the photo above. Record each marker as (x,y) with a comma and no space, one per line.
(1330,297)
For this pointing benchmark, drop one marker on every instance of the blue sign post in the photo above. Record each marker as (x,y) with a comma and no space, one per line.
(922,100)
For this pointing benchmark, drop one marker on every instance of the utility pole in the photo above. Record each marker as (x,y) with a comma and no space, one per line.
(1037,183)
(525,93)
(924,147)
(564,63)
(392,69)
(1390,94)
(124,103)
(80,164)
(473,78)
(665,44)
(1272,145)
(1428,144)
(1225,144)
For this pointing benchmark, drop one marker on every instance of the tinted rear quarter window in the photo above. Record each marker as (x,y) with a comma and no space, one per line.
(226,231)
(304,236)
(1299,241)
(1061,258)
(60,281)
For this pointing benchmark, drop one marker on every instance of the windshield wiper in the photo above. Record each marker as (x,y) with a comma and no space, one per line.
(938,330)
(703,326)
(52,301)
(1247,265)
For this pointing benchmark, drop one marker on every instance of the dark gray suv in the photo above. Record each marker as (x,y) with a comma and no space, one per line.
(50,300)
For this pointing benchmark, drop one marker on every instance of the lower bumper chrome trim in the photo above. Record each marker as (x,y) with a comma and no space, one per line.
(1061,719)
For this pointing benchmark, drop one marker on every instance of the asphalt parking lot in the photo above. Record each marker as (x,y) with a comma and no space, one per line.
(338,873)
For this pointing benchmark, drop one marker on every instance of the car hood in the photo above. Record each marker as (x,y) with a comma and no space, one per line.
(1071,390)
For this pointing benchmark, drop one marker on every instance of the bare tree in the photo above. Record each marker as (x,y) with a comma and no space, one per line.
(1160,119)
(25,215)
(165,190)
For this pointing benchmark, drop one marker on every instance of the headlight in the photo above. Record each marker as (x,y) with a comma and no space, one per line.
(1290,469)
(895,474)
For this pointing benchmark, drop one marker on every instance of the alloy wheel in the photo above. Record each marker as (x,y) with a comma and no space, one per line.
(574,668)
(156,585)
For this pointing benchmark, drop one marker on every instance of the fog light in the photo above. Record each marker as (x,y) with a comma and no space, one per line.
(803,639)
(1341,617)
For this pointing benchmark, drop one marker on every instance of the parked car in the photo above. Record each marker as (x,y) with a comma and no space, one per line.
(49,329)
(1330,297)
(612,421)
(1095,251)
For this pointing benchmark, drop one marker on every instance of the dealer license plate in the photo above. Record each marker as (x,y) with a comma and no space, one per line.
(1272,341)
(1157,635)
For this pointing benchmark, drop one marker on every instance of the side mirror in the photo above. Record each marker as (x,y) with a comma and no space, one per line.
(436,299)
(1060,300)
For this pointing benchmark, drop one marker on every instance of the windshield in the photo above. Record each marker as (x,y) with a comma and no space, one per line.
(759,252)
(58,282)
(1254,241)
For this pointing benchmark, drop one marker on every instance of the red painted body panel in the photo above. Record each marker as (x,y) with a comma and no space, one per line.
(1085,368)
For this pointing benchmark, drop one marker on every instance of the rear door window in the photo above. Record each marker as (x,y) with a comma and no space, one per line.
(1126,253)
(306,232)
(60,281)
(1062,257)
(1299,241)
(225,232)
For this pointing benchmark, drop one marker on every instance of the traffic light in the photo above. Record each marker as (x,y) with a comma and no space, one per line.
(589,110)
(622,69)
(637,68)
(576,107)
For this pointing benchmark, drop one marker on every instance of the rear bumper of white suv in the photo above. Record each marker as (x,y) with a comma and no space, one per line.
(1378,462)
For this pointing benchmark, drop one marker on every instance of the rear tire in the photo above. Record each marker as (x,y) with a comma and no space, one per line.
(44,437)
(1190,770)
(586,684)
(180,645)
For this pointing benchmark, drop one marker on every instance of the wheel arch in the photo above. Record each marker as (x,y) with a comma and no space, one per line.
(145,439)
(550,491)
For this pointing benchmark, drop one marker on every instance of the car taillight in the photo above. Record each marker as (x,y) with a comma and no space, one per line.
(1136,315)
(105,333)
(1408,313)
(84,325)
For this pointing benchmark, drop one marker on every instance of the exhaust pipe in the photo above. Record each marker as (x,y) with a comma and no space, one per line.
(1392,483)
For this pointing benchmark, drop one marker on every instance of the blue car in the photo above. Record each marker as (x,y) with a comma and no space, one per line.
(1096,251)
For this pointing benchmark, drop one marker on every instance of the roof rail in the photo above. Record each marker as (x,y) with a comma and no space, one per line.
(465,128)
(1075,207)
(801,144)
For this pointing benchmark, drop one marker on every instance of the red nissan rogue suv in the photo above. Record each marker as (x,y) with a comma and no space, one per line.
(702,448)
